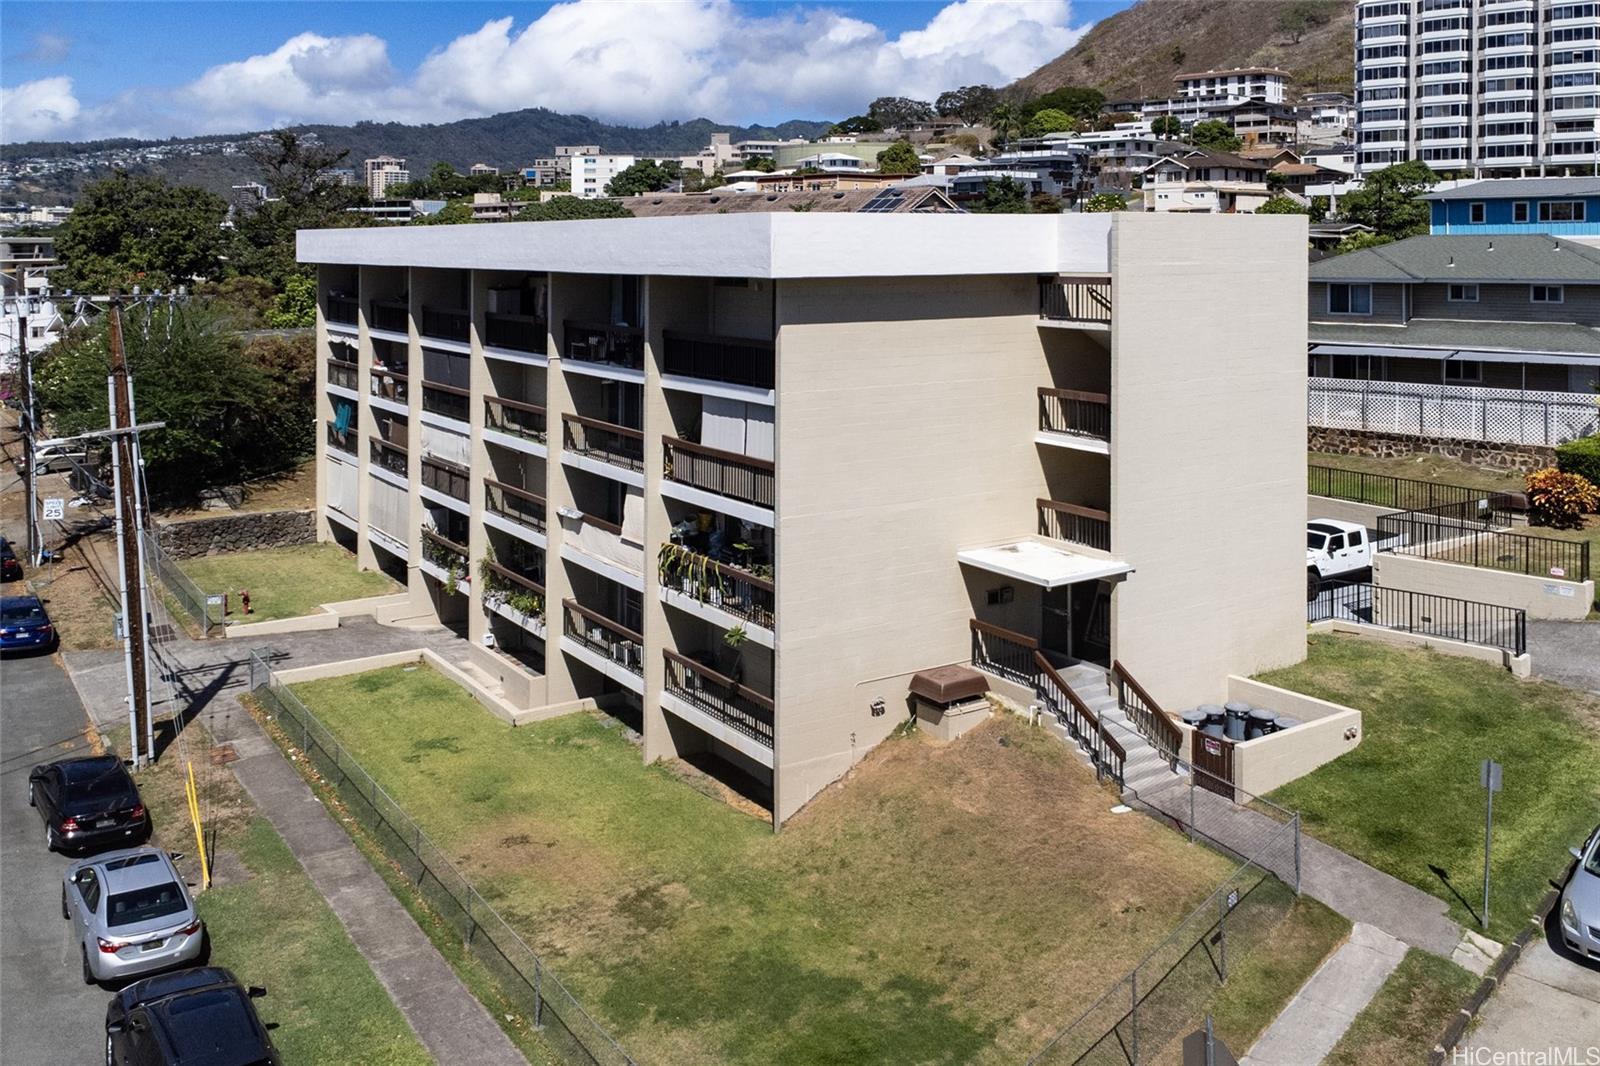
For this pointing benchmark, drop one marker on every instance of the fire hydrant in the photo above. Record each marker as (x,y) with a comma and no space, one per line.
(244,598)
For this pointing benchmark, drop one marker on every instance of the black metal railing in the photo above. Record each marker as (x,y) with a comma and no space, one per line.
(740,477)
(525,420)
(517,504)
(1075,301)
(601,635)
(1078,414)
(733,360)
(391,315)
(446,323)
(343,374)
(445,553)
(1476,534)
(522,592)
(390,456)
(1468,621)
(735,705)
(343,309)
(1382,490)
(447,401)
(1088,526)
(522,333)
(448,478)
(590,342)
(606,441)
(1004,652)
(728,588)
(343,441)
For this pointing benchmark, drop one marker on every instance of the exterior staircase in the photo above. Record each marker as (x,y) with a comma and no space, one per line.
(1146,769)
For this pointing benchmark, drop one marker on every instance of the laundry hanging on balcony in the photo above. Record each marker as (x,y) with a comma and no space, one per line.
(344,412)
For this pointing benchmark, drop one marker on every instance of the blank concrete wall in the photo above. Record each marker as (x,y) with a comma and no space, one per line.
(1540,596)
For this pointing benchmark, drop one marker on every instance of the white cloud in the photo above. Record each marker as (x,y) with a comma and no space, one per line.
(620,60)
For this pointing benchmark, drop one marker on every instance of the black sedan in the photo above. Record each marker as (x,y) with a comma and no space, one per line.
(87,802)
(201,1015)
(10,567)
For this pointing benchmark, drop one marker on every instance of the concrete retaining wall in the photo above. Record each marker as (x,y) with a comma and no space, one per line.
(1326,731)
(328,616)
(1345,511)
(1519,665)
(250,531)
(1519,458)
(1541,597)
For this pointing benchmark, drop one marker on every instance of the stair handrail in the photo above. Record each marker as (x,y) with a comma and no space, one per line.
(1147,716)
(1104,750)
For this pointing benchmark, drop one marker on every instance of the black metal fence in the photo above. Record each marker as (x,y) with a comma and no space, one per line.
(1382,490)
(1468,621)
(565,1027)
(1474,535)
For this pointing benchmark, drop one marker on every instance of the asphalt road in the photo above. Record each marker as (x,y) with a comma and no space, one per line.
(48,1016)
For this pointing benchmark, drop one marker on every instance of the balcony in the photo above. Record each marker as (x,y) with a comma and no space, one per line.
(522,333)
(445,561)
(741,593)
(388,456)
(446,401)
(618,346)
(730,360)
(342,374)
(742,709)
(446,478)
(515,418)
(1085,526)
(344,310)
(389,384)
(1085,303)
(598,634)
(344,442)
(391,315)
(446,324)
(603,441)
(504,589)
(1071,413)
(514,504)
(738,477)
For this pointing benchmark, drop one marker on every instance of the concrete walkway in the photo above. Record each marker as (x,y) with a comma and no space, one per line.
(1549,1000)
(1567,653)
(451,1023)
(1323,1009)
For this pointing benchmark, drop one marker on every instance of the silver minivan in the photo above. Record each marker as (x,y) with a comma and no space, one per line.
(132,913)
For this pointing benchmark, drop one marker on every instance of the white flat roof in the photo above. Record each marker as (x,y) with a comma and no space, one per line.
(782,244)
(1042,564)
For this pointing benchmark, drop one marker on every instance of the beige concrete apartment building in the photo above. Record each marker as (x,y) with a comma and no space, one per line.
(737,478)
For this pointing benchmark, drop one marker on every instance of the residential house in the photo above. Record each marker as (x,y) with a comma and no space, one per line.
(1561,207)
(1197,180)
(26,264)
(482,170)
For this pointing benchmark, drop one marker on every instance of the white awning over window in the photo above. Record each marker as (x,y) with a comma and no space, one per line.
(1041,563)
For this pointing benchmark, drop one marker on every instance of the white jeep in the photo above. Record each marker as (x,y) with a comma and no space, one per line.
(1335,549)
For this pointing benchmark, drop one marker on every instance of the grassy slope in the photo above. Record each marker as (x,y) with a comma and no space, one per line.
(947,905)
(1407,798)
(286,582)
(1403,1021)
(1444,470)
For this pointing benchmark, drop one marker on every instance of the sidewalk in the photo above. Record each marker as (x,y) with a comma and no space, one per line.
(447,1018)
(1549,999)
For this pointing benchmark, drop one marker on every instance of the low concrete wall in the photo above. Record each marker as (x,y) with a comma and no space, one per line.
(1519,458)
(523,688)
(305,623)
(248,531)
(345,667)
(1326,731)
(1541,597)
(1520,665)
(497,706)
(369,605)
(1345,511)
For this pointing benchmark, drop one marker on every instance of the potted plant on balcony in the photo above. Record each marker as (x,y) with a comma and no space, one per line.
(732,656)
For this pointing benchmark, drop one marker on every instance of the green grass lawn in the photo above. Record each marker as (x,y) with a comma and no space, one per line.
(947,904)
(1439,468)
(1407,800)
(286,582)
(1405,1019)
(269,925)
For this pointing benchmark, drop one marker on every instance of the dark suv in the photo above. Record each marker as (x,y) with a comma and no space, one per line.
(198,1017)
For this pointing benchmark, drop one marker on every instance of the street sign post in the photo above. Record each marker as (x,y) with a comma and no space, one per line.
(1489,779)
(55,509)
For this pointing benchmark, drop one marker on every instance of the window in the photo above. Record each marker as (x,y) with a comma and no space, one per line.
(1561,211)
(1350,299)
(1463,370)
(1476,212)
(1545,294)
(1355,538)
(1519,211)
(1336,543)
(1463,294)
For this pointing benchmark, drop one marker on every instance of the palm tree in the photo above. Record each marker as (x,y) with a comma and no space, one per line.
(1004,119)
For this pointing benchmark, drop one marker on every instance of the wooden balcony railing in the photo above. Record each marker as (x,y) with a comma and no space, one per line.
(605,441)
(1075,301)
(450,401)
(734,360)
(523,333)
(1075,525)
(344,442)
(1156,725)
(525,420)
(1104,750)
(591,342)
(521,592)
(389,383)
(738,592)
(513,503)
(343,374)
(343,309)
(1003,652)
(1078,414)
(735,705)
(601,635)
(390,456)
(739,477)
(392,315)
(446,323)
(448,478)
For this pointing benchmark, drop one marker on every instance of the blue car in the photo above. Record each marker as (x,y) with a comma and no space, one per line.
(24,626)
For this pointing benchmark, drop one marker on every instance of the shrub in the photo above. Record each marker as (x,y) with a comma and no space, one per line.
(1560,500)
(1581,457)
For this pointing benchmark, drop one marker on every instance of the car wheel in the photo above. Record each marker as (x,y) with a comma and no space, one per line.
(49,838)
(110,1057)
(88,974)
(31,801)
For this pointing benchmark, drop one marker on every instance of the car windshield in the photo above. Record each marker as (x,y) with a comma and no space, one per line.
(1315,540)
(14,614)
(143,904)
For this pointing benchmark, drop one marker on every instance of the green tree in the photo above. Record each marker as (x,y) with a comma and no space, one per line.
(300,174)
(1105,201)
(763,163)
(899,158)
(1388,200)
(1166,127)
(855,125)
(569,208)
(899,111)
(699,181)
(296,305)
(644,176)
(1213,135)
(1283,205)
(1051,120)
(1006,119)
(1299,18)
(970,103)
(1357,241)
(1079,102)
(1004,197)
(807,170)
(127,231)
(454,213)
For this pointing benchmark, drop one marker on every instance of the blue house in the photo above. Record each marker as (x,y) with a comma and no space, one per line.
(1561,207)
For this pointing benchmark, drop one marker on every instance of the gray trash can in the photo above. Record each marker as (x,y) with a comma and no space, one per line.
(1285,722)
(1262,722)
(1238,715)
(1195,719)
(1214,719)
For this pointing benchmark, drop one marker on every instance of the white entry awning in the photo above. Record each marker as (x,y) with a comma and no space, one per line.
(1042,563)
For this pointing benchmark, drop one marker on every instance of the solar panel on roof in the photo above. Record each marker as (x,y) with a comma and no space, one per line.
(887,200)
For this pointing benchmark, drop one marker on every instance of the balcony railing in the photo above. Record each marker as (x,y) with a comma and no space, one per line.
(518,591)
(342,374)
(700,577)
(448,401)
(445,553)
(344,442)
(523,333)
(343,309)
(1075,301)
(605,441)
(390,384)
(739,477)
(601,635)
(510,502)
(741,708)
(1074,524)
(392,315)
(446,324)
(1077,414)
(448,478)
(525,420)
(590,342)
(392,457)
(735,361)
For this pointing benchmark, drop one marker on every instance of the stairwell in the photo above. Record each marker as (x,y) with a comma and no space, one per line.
(1146,769)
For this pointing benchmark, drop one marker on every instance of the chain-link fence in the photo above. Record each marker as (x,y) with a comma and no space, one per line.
(185,593)
(569,1030)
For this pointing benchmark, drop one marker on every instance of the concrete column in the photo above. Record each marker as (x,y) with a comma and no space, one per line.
(558,494)
(323,405)
(416,580)
(366,426)
(478,536)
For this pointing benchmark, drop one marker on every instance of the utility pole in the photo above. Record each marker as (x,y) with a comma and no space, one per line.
(130,552)
(30,433)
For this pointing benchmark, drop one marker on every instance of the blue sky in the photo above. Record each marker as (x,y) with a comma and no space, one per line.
(76,70)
